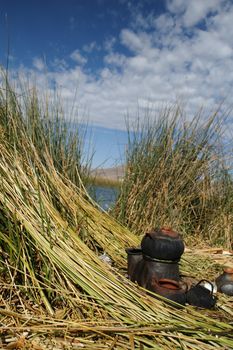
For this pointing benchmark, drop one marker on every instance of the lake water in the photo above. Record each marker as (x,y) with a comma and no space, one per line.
(104,196)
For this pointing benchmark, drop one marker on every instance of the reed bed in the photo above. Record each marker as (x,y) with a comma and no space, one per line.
(104,182)
(54,283)
(179,174)
(42,119)
(56,290)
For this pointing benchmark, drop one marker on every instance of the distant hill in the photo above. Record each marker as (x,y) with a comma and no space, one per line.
(116,173)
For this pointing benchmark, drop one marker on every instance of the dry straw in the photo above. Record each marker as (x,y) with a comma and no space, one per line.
(52,259)
(55,289)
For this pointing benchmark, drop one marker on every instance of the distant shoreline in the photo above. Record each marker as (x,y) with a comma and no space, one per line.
(109,174)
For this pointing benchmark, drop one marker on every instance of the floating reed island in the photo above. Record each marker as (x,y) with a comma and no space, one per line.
(56,291)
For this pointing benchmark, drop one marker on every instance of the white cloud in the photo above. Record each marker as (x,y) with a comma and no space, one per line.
(133,41)
(93,46)
(198,10)
(115,59)
(77,57)
(109,44)
(169,59)
(38,63)
(192,12)
(164,23)
(59,64)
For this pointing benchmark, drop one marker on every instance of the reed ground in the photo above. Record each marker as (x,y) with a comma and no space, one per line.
(56,292)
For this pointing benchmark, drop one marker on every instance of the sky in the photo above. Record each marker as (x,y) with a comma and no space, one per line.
(111,60)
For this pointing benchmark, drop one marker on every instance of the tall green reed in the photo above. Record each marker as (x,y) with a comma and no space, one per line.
(23,113)
(176,175)
(36,129)
(50,236)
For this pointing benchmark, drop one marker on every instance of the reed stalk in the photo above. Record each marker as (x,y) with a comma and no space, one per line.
(178,175)
(55,289)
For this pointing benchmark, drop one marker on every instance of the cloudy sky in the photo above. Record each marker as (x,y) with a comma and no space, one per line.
(112,58)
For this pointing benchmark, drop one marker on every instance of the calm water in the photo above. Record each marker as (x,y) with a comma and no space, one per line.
(104,196)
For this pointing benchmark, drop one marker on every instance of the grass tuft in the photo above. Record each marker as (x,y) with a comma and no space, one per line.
(177,175)
(55,289)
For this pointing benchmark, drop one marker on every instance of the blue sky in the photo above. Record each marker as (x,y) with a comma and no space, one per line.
(112,58)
